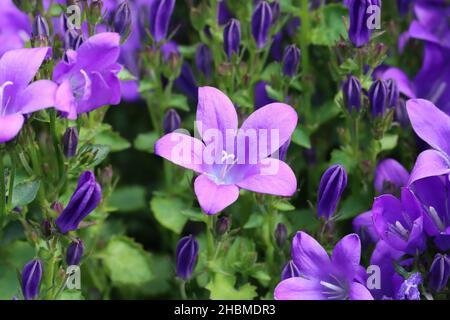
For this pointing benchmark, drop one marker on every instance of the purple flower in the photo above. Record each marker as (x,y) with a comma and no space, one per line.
(187,252)
(232,38)
(18,96)
(262,97)
(290,270)
(276,49)
(172,121)
(261,22)
(89,79)
(84,200)
(223,13)
(400,222)
(204,60)
(364,227)
(409,289)
(359,32)
(70,142)
(378,97)
(439,272)
(122,19)
(75,252)
(226,160)
(31,279)
(322,277)
(352,94)
(403,6)
(390,176)
(393,93)
(291,60)
(160,14)
(332,185)
(15,27)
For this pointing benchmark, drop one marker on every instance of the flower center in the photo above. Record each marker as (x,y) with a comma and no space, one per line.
(4,104)
(398,229)
(228,161)
(81,85)
(432,213)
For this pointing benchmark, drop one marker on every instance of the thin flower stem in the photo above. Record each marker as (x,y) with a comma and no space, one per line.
(210,237)
(56,144)
(2,191)
(12,177)
(183,290)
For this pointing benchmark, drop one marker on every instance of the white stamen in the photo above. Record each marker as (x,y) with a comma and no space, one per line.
(3,104)
(436,219)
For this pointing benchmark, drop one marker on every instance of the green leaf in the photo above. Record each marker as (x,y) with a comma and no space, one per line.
(169,212)
(352,206)
(301,138)
(331,26)
(283,205)
(146,142)
(344,157)
(92,155)
(222,287)
(274,94)
(256,220)
(127,263)
(113,140)
(71,295)
(25,192)
(128,198)
(389,142)
(178,101)
(125,75)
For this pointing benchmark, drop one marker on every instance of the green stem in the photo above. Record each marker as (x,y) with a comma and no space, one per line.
(56,144)
(12,177)
(2,191)
(183,290)
(304,47)
(210,237)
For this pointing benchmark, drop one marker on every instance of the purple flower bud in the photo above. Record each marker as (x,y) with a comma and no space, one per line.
(393,93)
(401,115)
(276,10)
(31,279)
(439,272)
(291,60)
(290,270)
(73,39)
(280,234)
(378,97)
(160,14)
(403,6)
(186,82)
(276,50)
(359,32)
(232,38)
(352,94)
(85,199)
(122,20)
(186,255)
(64,23)
(409,290)
(261,22)
(74,253)
(172,121)
(223,225)
(223,13)
(70,142)
(390,176)
(262,98)
(204,60)
(332,185)
(40,28)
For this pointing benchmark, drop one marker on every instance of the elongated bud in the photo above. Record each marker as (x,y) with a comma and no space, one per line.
(122,20)
(332,185)
(160,14)
(172,121)
(401,115)
(261,22)
(390,176)
(393,93)
(352,94)
(276,11)
(378,97)
(290,270)
(291,60)
(223,225)
(360,15)
(75,252)
(223,13)
(31,279)
(186,255)
(70,142)
(280,234)
(40,31)
(204,60)
(232,38)
(439,272)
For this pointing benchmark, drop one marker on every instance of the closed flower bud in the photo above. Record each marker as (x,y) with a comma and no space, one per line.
(291,60)
(401,115)
(378,97)
(280,234)
(261,22)
(85,199)
(223,13)
(232,38)
(70,142)
(290,270)
(360,14)
(160,14)
(276,11)
(186,255)
(57,206)
(352,94)
(122,20)
(46,228)
(40,31)
(74,253)
(439,272)
(409,290)
(390,176)
(223,225)
(393,93)
(204,60)
(172,121)
(31,279)
(332,185)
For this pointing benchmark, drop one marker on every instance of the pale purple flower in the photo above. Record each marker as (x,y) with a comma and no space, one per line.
(15,27)
(219,182)
(390,176)
(18,95)
(89,79)
(322,277)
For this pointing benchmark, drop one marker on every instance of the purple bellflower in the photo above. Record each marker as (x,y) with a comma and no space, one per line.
(322,277)
(290,270)
(89,78)
(232,38)
(223,13)
(332,185)
(261,22)
(187,252)
(390,176)
(18,95)
(160,14)
(204,60)
(31,279)
(225,159)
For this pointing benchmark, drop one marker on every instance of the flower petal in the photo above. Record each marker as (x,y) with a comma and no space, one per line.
(359,292)
(428,164)
(299,289)
(65,100)
(309,256)
(401,79)
(271,176)
(182,150)
(347,255)
(99,52)
(10,126)
(214,198)
(37,96)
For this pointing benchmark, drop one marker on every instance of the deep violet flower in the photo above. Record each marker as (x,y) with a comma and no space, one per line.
(31,279)
(290,270)
(89,79)
(160,14)
(322,277)
(332,185)
(226,160)
(261,22)
(359,31)
(439,272)
(84,200)
(351,91)
(400,222)
(18,96)
(409,289)
(186,255)
(70,142)
(75,252)
(390,176)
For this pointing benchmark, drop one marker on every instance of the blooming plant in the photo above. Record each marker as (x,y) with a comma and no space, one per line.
(220,149)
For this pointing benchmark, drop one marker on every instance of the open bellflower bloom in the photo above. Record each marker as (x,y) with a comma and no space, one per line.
(291,60)
(378,97)
(75,252)
(31,279)
(439,272)
(390,176)
(18,95)
(332,185)
(84,200)
(89,78)
(160,14)
(400,222)
(322,277)
(360,13)
(352,94)
(232,38)
(290,270)
(261,22)
(226,160)
(409,290)
(186,255)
